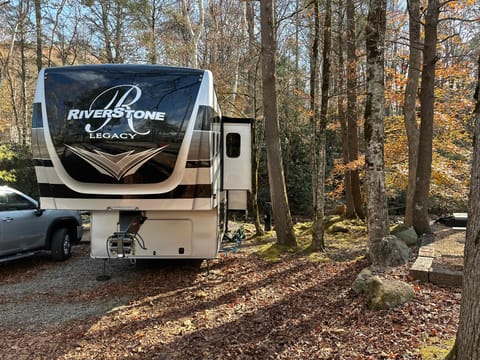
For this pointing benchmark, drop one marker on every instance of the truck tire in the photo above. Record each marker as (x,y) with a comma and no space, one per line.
(61,244)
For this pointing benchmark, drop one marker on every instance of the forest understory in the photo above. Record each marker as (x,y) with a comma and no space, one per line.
(250,304)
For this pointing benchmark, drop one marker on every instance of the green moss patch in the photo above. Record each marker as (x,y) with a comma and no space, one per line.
(436,348)
(340,246)
(275,252)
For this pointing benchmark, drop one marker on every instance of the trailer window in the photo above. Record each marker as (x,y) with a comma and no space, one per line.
(233,145)
(37,120)
(205,118)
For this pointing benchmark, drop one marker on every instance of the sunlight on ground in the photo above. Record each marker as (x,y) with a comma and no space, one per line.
(243,294)
(201,310)
(436,348)
(345,240)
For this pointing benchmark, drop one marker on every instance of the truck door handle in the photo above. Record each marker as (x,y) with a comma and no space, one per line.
(7,219)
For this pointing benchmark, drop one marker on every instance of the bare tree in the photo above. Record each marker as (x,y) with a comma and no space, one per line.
(353,193)
(193,31)
(468,334)
(110,20)
(377,210)
(39,32)
(342,118)
(410,102)
(6,61)
(314,108)
(63,42)
(148,23)
(15,74)
(281,211)
(23,124)
(251,81)
(318,241)
(424,164)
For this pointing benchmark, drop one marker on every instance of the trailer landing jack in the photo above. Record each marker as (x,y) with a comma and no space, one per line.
(104,276)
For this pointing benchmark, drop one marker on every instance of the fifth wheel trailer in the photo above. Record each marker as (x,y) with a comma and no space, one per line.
(144,149)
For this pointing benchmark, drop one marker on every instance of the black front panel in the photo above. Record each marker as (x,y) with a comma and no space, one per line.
(119,123)
(180,192)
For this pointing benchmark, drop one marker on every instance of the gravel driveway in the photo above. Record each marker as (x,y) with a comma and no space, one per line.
(38,293)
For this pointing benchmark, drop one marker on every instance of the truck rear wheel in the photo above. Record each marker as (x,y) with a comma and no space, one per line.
(61,244)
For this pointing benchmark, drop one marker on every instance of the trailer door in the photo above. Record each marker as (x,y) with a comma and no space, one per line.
(237,161)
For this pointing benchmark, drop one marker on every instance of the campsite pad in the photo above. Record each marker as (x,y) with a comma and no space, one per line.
(440,257)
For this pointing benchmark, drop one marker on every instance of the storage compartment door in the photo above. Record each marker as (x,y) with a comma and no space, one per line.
(166,237)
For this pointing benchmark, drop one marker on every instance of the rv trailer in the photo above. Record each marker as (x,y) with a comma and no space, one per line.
(144,149)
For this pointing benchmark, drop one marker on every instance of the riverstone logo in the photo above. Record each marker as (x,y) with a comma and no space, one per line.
(115,103)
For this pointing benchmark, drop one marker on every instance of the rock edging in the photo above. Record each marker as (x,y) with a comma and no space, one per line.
(423,269)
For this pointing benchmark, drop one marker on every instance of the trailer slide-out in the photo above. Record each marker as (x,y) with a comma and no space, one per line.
(144,149)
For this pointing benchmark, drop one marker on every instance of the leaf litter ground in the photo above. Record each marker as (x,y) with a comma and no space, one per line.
(243,306)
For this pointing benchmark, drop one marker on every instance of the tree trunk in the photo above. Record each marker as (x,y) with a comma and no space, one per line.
(410,100)
(252,110)
(24,134)
(377,210)
(313,102)
(62,51)
(341,113)
(255,167)
(105,9)
(194,35)
(119,16)
(318,241)
(356,195)
(424,165)
(281,211)
(5,68)
(38,25)
(467,342)
(152,47)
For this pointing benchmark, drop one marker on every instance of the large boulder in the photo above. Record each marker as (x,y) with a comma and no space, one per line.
(387,294)
(361,283)
(389,251)
(405,233)
(382,294)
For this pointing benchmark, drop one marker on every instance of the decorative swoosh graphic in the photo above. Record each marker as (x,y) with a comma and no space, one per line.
(119,165)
